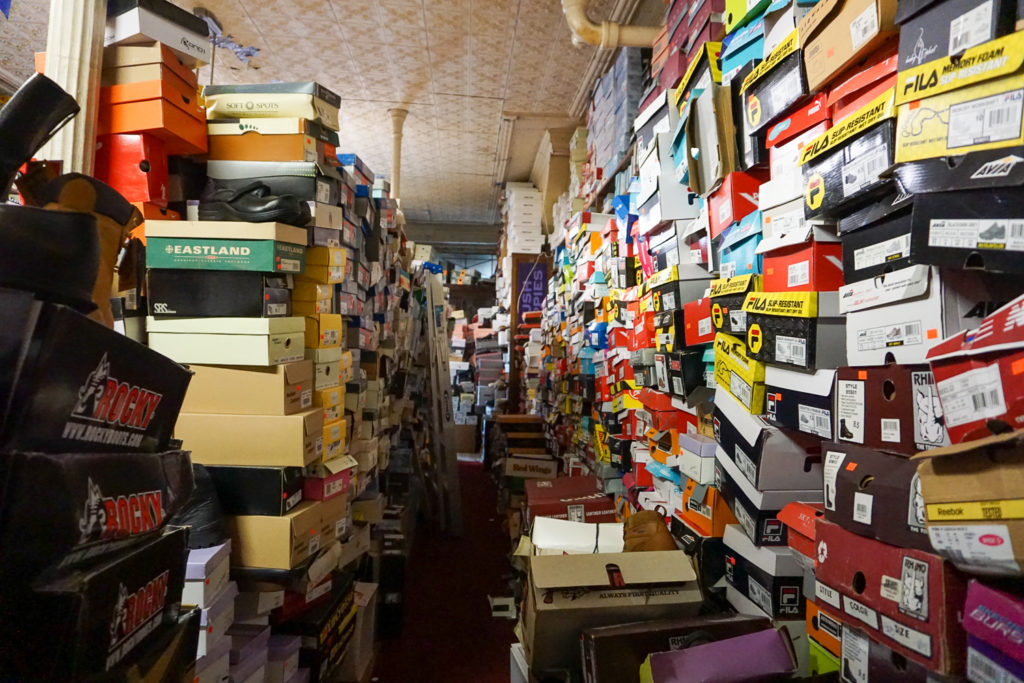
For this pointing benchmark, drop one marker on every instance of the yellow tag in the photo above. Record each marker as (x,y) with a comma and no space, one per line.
(989,60)
(875,111)
(987,510)
(784,49)
(814,194)
(735,285)
(790,304)
(662,277)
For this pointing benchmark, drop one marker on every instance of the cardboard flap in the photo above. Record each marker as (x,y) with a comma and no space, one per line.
(749,226)
(749,426)
(298,372)
(817,17)
(801,517)
(748,35)
(865,78)
(1013,439)
(775,561)
(635,569)
(818,383)
(901,285)
(345,462)
(800,235)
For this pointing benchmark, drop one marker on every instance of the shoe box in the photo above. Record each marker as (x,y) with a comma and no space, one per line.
(263,440)
(864,658)
(134,22)
(270,491)
(308,181)
(901,316)
(194,293)
(993,619)
(115,608)
(768,457)
(329,479)
(135,166)
(874,494)
(801,401)
(711,148)
(799,519)
(276,390)
(228,341)
(695,457)
(841,167)
(737,247)
(899,596)
(938,101)
(99,503)
(697,322)
(739,374)
(279,139)
(226,245)
(705,510)
(768,576)
(772,650)
(727,296)
(931,30)
(577,499)
(970,492)
(829,44)
(893,408)
(207,572)
(800,329)
(798,256)
(615,653)
(679,374)
(325,629)
(745,45)
(149,61)
(734,200)
(72,385)
(775,85)
(304,100)
(276,542)
(823,629)
(784,141)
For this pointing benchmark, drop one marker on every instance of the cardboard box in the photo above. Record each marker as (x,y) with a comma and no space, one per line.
(270,491)
(899,596)
(994,616)
(206,573)
(866,81)
(842,166)
(770,458)
(308,181)
(180,31)
(903,316)
(278,390)
(150,53)
(180,129)
(530,466)
(801,401)
(324,331)
(970,492)
(229,230)
(577,499)
(775,85)
(227,341)
(740,375)
(771,649)
(264,440)
(823,629)
(261,256)
(569,593)
(745,45)
(697,321)
(835,33)
(708,128)
(329,479)
(813,266)
(875,495)
(893,408)
(705,510)
(244,140)
(135,166)
(784,140)
(768,576)
(933,30)
(802,329)
(197,293)
(734,199)
(727,296)
(305,100)
(737,247)
(973,106)
(281,542)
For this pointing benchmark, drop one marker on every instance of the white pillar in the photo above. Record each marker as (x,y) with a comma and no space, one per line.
(397,121)
(74,58)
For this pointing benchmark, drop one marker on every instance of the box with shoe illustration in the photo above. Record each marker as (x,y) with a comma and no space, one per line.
(271,440)
(769,576)
(739,374)
(893,408)
(801,400)
(801,329)
(228,341)
(304,100)
(201,293)
(282,542)
(277,390)
(769,457)
(727,296)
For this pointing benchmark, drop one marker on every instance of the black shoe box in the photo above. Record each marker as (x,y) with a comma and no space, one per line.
(222,294)
(268,491)
(849,173)
(71,385)
(878,247)
(927,33)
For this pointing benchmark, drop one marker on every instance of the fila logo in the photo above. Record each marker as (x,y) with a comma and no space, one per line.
(772,527)
(105,399)
(131,515)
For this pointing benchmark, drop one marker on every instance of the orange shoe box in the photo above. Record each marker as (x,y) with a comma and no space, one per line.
(254,146)
(166,114)
(708,517)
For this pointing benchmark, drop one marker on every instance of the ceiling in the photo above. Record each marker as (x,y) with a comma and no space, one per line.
(460,67)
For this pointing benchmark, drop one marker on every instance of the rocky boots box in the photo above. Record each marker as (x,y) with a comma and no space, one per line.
(277,390)
(72,385)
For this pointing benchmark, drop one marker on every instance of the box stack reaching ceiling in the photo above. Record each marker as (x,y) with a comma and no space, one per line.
(792,320)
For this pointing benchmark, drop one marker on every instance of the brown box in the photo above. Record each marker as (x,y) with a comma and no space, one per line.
(465,438)
(276,542)
(277,390)
(334,517)
(254,440)
(836,32)
(370,510)
(155,53)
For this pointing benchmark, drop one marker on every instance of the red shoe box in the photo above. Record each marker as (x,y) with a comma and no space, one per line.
(737,197)
(135,166)
(698,327)
(807,267)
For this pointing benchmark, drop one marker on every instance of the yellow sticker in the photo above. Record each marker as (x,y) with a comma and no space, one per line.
(716,316)
(987,510)
(815,193)
(781,51)
(755,338)
(735,285)
(791,304)
(753,110)
(989,60)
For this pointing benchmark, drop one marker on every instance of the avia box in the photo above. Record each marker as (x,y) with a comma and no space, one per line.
(835,33)
(843,164)
(893,408)
(275,441)
(569,593)
(228,341)
(874,494)
(222,293)
(775,85)
(742,376)
(900,317)
(801,401)
(769,458)
(727,296)
(281,542)
(901,597)
(768,576)
(802,329)
(278,390)
(270,491)
(962,104)
(972,496)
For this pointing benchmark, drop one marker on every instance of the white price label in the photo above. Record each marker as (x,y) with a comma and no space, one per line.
(759,595)
(987,548)
(965,233)
(890,430)
(862,503)
(792,350)
(798,274)
(855,656)
(725,212)
(289,265)
(827,594)
(815,421)
(985,120)
(833,461)
(972,395)
(971,28)
(907,636)
(850,406)
(746,465)
(887,336)
(864,27)
(864,170)
(891,588)
(740,389)
(727,270)
(738,321)
(314,543)
(981,669)
(860,611)
(745,520)
(704,327)
(882,252)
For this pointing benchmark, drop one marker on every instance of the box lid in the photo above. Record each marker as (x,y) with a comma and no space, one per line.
(553,536)
(220,649)
(259,326)
(909,283)
(1002,333)
(800,233)
(749,426)
(743,38)
(868,76)
(807,116)
(763,500)
(801,517)
(817,383)
(239,170)
(224,599)
(749,226)
(775,560)
(301,88)
(636,569)
(236,230)
(202,560)
(339,465)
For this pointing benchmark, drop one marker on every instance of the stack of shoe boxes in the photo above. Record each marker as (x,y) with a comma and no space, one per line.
(612,110)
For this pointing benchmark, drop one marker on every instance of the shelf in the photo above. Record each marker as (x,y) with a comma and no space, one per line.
(609,183)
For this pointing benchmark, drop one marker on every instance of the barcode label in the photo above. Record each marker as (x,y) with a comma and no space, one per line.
(740,389)
(882,252)
(697,507)
(704,327)
(791,350)
(963,545)
(727,270)
(289,265)
(864,27)
(131,299)
(277,309)
(981,669)
(746,465)
(725,212)
(971,396)
(576,513)
(745,520)
(887,336)
(891,588)
(890,430)
(1002,234)
(677,386)
(786,90)
(761,597)
(668,302)
(864,171)
(862,503)
(798,274)
(323,192)
(970,28)
(737,321)
(314,543)
(816,421)
(985,120)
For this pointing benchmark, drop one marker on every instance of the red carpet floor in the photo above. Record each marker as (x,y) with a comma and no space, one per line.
(448,633)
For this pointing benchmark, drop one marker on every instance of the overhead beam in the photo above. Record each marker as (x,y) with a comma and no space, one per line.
(477,238)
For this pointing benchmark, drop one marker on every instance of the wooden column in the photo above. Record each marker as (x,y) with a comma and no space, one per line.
(74,57)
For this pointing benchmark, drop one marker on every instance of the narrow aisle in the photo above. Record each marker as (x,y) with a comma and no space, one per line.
(449,633)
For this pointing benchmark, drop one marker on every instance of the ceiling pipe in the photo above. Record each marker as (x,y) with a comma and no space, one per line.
(397,121)
(606,35)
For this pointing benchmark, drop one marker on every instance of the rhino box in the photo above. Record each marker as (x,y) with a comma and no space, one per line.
(69,384)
